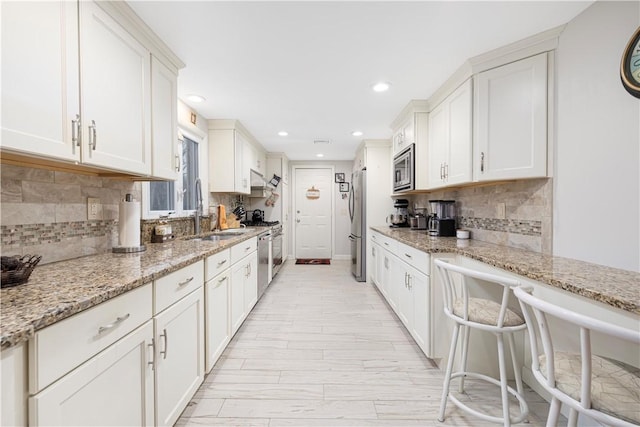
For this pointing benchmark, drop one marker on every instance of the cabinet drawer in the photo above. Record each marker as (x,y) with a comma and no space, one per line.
(243,249)
(176,285)
(216,263)
(386,243)
(61,347)
(414,257)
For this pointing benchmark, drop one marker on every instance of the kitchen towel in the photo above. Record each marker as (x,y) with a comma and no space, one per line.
(129,223)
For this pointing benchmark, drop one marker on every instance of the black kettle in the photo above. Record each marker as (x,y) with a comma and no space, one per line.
(257,216)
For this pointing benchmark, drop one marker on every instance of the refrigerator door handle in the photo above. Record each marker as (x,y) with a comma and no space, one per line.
(351,202)
(352,238)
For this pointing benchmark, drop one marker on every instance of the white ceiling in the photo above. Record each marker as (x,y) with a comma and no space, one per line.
(307,67)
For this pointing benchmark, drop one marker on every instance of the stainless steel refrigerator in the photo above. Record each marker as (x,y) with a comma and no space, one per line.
(358,217)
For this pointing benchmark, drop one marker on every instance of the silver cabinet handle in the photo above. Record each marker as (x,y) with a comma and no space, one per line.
(222,262)
(118,320)
(446,170)
(75,131)
(177,163)
(386,243)
(189,280)
(408,256)
(249,269)
(93,135)
(153,352)
(222,279)
(409,282)
(405,280)
(248,248)
(482,161)
(166,343)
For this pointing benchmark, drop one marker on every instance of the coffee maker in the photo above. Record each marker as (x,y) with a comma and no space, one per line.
(442,218)
(401,217)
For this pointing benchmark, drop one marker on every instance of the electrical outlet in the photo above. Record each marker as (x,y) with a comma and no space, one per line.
(501,211)
(94,208)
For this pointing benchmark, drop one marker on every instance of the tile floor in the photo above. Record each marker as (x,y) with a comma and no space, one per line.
(320,349)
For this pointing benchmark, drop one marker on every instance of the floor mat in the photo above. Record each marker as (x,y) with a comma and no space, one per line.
(319,261)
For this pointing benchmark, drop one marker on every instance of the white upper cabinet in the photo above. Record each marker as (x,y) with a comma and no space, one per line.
(450,139)
(411,127)
(510,129)
(115,97)
(76,88)
(232,155)
(164,113)
(40,82)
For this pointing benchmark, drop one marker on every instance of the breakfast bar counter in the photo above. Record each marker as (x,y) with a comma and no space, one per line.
(614,287)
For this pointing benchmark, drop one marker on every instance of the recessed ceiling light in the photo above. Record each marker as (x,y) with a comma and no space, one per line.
(356,133)
(319,155)
(283,133)
(381,86)
(196,98)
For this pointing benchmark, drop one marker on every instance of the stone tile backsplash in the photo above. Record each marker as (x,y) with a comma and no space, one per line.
(45,212)
(528,212)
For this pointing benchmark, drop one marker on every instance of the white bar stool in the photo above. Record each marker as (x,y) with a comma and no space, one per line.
(487,315)
(603,389)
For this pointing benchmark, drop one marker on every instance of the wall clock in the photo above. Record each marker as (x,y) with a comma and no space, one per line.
(630,65)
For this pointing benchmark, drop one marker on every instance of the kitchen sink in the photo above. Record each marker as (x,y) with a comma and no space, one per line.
(216,237)
(232,231)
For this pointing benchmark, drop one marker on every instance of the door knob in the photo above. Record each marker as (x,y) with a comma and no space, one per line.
(297,220)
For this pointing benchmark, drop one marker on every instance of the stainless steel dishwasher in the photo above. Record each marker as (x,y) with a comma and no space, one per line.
(264,259)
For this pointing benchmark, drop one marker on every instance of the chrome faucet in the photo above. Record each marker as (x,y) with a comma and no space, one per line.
(198,214)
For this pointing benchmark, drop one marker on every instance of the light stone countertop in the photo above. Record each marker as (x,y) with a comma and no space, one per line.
(58,290)
(615,287)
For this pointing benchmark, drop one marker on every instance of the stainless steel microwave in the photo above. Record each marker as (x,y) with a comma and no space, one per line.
(404,170)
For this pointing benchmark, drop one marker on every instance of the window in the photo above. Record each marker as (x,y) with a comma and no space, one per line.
(175,197)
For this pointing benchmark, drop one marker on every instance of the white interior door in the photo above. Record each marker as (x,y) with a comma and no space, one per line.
(312,214)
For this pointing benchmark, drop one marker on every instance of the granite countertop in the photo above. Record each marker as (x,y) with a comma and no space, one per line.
(58,290)
(611,286)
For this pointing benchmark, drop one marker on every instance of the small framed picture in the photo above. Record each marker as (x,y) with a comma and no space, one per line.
(344,187)
(340,177)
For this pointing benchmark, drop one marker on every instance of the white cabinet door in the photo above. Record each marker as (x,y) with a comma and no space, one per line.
(438,144)
(405,297)
(113,388)
(450,132)
(179,338)
(40,83)
(458,161)
(511,121)
(238,313)
(389,279)
(421,324)
(217,328)
(164,121)
(115,96)
(405,135)
(242,162)
(251,282)
(373,267)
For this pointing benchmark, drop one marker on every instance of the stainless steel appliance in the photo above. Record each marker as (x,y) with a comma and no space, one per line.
(442,220)
(276,251)
(358,234)
(404,170)
(264,261)
(401,216)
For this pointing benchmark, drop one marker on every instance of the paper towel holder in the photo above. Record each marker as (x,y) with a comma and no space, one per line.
(129,249)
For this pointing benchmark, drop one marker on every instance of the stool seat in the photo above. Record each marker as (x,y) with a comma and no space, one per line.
(485,311)
(615,387)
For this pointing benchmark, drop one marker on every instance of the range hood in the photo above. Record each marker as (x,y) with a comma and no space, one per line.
(259,186)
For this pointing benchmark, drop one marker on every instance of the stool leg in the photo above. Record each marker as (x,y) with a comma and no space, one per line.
(465,350)
(573,418)
(516,374)
(447,375)
(554,412)
(503,380)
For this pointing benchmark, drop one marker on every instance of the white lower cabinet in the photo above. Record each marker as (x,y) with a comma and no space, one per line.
(179,338)
(403,280)
(217,315)
(244,289)
(114,388)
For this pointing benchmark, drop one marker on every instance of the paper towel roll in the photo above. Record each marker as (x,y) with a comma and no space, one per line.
(129,224)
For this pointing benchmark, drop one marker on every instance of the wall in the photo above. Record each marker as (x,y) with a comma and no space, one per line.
(45,213)
(342,247)
(597,161)
(527,219)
